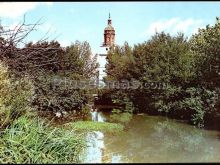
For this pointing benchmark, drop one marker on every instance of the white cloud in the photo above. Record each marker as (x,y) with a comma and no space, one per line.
(174,25)
(16,9)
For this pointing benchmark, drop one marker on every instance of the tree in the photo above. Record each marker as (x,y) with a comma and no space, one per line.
(167,71)
(206,45)
(49,66)
(78,58)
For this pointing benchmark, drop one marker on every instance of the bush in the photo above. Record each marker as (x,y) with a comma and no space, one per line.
(15,96)
(30,140)
(55,96)
(191,103)
(201,101)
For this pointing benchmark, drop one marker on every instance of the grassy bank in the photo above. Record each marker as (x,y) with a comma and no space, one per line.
(31,140)
(95,126)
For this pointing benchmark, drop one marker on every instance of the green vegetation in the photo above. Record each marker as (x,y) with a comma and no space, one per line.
(31,140)
(174,76)
(35,78)
(56,91)
(95,126)
(53,71)
(15,96)
(26,138)
(120,117)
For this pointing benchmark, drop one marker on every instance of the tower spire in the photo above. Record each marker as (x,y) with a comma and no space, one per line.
(109,19)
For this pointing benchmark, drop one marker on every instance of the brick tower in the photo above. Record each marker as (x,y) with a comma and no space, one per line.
(109,35)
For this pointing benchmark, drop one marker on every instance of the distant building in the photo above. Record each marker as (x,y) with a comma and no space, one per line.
(109,35)
(109,42)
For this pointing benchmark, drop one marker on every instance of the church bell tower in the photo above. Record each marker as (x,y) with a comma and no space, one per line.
(109,35)
(109,42)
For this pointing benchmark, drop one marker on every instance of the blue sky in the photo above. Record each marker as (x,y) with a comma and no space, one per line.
(133,21)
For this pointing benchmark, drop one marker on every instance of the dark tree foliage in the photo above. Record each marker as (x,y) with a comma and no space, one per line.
(169,72)
(50,67)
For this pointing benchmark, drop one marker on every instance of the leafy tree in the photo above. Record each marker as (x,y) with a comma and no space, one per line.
(52,69)
(206,45)
(78,59)
(167,70)
(57,91)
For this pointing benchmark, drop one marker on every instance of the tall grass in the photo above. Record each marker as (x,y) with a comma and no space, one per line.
(31,140)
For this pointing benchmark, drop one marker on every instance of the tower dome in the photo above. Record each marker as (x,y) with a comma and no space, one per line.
(109,27)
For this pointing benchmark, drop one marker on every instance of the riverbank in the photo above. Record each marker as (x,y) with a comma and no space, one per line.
(144,138)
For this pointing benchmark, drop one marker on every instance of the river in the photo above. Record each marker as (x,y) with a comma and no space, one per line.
(152,139)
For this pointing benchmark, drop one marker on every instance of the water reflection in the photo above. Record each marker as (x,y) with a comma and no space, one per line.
(98,116)
(95,152)
(188,144)
(153,139)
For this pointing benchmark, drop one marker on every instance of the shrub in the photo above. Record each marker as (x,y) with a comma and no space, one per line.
(15,96)
(55,96)
(201,101)
(191,103)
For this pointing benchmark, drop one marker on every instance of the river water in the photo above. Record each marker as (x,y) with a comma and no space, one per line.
(152,139)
